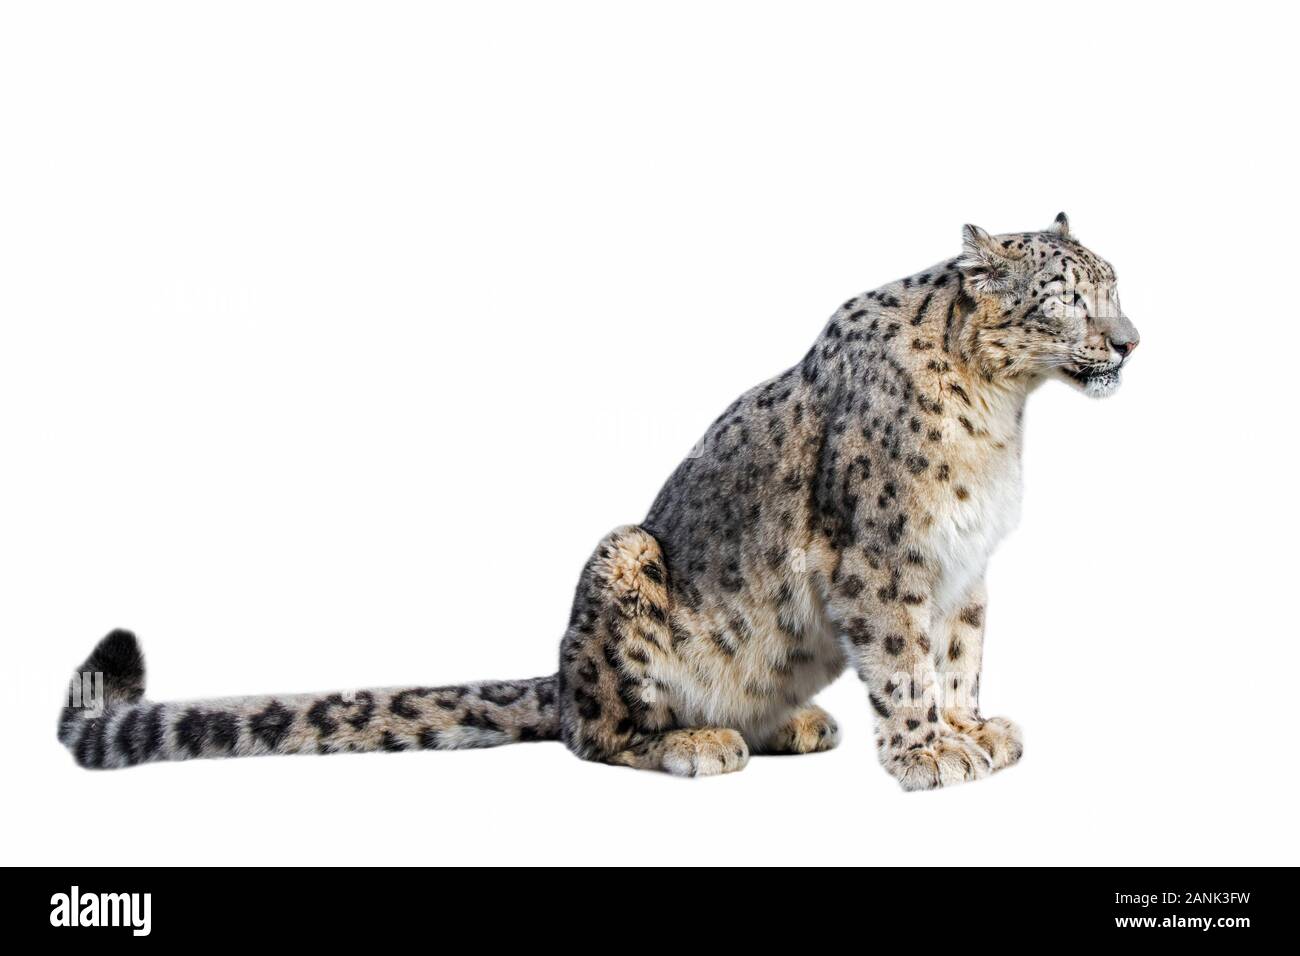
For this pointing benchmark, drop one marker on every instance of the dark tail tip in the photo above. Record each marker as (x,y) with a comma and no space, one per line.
(112,676)
(119,658)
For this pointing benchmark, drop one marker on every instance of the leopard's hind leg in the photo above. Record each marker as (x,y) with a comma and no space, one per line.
(687,753)
(808,730)
(611,709)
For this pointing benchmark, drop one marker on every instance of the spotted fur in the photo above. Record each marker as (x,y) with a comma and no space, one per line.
(124,729)
(838,515)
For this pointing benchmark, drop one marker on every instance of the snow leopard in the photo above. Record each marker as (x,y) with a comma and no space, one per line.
(838,516)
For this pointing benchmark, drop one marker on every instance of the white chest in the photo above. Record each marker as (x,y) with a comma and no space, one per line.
(971,514)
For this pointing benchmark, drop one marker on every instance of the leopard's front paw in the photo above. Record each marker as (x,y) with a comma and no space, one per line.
(1000,738)
(946,759)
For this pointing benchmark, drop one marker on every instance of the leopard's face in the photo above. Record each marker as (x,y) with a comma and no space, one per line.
(1050,307)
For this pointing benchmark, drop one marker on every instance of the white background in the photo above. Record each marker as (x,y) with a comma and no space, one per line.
(335,336)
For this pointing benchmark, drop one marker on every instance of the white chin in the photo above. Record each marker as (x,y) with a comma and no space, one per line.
(1102,385)
(1096,385)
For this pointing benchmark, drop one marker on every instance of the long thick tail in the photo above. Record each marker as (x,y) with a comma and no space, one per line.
(109,723)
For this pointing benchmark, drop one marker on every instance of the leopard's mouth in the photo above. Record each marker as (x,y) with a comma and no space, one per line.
(1095,380)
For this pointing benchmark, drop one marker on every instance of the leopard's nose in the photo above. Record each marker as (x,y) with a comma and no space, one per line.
(1124,347)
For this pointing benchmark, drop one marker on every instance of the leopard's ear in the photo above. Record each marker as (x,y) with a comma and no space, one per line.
(975,242)
(986,261)
(1060,225)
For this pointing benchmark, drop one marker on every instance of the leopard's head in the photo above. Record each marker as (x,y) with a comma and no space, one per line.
(1041,304)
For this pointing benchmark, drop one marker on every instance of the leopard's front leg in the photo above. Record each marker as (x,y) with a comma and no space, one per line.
(884,616)
(958,657)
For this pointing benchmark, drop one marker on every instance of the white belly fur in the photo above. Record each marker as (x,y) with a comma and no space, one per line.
(965,532)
